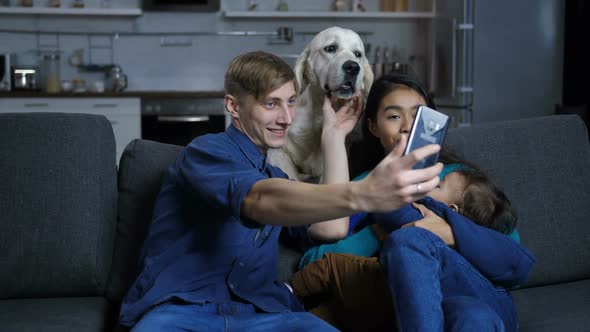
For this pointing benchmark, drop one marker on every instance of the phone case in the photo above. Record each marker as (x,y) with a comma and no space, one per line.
(429,127)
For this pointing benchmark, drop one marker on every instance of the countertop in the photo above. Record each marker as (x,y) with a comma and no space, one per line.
(141,94)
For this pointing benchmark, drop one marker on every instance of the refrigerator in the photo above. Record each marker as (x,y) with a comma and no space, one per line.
(496,60)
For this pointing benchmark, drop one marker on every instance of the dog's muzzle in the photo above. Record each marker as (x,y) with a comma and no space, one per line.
(347,88)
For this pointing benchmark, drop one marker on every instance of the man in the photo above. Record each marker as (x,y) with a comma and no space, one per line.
(210,258)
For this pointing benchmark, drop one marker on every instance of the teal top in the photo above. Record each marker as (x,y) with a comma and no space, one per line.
(364,242)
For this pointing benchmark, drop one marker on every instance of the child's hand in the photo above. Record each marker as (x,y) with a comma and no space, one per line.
(434,224)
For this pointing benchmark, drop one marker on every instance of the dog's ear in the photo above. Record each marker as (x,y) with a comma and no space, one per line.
(303,72)
(367,79)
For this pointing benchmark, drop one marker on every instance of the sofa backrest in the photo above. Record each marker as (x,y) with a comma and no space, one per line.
(543,165)
(141,168)
(58,204)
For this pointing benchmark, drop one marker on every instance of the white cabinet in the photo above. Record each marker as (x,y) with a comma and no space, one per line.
(123,113)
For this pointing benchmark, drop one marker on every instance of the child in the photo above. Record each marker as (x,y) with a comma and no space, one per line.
(447,272)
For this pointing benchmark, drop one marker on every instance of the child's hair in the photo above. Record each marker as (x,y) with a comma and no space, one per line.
(483,202)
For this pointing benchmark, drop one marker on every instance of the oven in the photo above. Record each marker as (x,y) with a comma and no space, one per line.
(178,120)
(181,5)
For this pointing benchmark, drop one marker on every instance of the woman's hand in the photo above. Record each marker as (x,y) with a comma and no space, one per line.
(341,122)
(434,224)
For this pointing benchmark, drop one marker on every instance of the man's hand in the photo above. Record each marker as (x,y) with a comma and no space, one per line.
(434,224)
(393,183)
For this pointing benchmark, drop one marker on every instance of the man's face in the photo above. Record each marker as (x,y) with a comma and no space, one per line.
(266,121)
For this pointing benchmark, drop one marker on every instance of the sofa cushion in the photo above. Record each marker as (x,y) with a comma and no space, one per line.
(562,307)
(542,164)
(80,314)
(58,203)
(141,168)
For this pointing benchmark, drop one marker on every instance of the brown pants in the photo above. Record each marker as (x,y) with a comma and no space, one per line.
(347,291)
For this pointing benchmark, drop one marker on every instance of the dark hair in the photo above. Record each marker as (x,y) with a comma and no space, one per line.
(369,152)
(258,74)
(483,202)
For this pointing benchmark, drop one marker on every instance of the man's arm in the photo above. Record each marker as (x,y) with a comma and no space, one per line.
(392,184)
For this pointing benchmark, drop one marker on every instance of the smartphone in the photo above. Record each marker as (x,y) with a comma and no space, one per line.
(429,127)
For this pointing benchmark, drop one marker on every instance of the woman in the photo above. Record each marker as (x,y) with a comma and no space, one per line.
(444,274)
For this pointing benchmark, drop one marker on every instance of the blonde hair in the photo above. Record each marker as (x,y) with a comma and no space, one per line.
(257,74)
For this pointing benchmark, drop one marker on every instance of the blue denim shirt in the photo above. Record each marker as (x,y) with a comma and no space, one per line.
(199,248)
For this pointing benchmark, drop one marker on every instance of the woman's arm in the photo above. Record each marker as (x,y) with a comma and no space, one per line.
(336,126)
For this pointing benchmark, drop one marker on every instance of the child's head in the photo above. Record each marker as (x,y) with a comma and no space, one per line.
(469,191)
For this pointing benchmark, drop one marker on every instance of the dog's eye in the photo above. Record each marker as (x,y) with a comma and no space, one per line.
(330,48)
(358,54)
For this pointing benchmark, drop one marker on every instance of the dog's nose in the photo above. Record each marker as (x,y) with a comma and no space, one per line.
(351,67)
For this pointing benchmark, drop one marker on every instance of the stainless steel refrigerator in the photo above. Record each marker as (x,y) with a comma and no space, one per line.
(497,60)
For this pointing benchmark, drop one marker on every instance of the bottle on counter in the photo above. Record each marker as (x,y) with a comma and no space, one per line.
(51,69)
(116,80)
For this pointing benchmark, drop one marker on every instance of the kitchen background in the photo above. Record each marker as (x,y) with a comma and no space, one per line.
(507,61)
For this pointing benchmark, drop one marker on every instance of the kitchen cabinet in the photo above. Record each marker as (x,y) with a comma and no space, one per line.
(123,113)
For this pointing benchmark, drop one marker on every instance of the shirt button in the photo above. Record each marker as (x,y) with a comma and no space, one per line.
(231,285)
(241,264)
(266,234)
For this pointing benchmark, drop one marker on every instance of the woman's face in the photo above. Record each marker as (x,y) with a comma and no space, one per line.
(395,116)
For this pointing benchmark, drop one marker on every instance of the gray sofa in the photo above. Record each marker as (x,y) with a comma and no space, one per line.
(72,224)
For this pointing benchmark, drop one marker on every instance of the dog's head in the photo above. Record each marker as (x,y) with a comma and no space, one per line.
(335,61)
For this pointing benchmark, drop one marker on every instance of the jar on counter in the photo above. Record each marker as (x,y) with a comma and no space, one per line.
(394,5)
(51,69)
(78,4)
(79,86)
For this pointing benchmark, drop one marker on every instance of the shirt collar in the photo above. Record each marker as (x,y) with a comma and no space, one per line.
(248,148)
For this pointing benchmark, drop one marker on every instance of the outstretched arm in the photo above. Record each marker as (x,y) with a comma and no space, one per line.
(392,184)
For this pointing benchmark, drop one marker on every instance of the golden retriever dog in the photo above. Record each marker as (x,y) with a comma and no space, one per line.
(332,64)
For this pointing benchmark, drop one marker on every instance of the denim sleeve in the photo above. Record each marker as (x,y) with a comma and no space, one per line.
(216,175)
(393,220)
(497,256)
